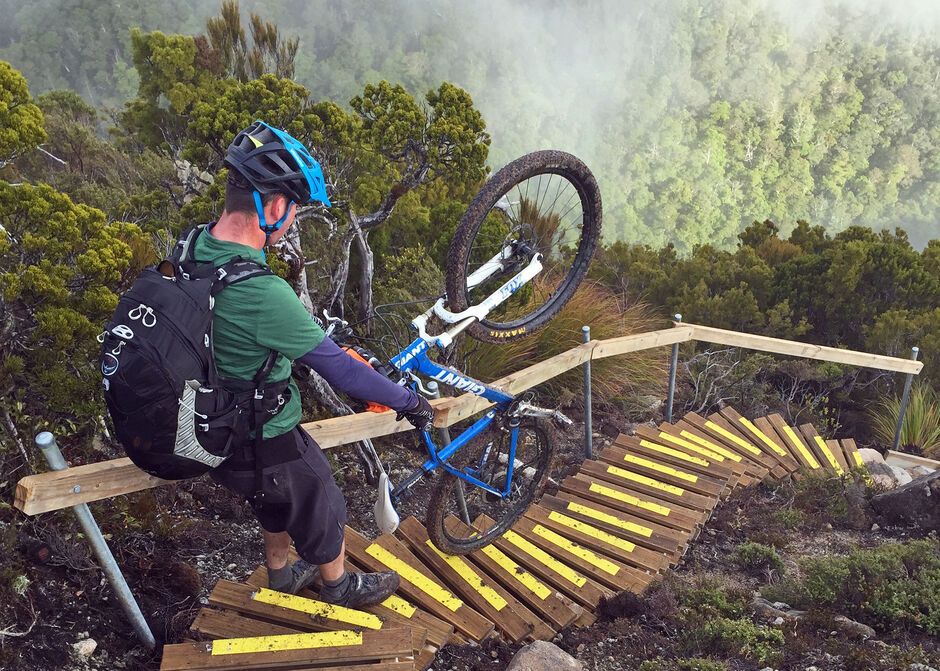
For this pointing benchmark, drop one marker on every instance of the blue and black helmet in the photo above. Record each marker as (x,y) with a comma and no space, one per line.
(274,162)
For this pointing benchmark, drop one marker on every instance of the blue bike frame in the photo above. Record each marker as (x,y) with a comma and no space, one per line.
(415,357)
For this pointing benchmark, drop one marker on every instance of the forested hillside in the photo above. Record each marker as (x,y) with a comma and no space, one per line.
(697,117)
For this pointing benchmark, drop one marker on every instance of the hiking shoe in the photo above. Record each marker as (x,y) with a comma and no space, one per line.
(361,589)
(302,574)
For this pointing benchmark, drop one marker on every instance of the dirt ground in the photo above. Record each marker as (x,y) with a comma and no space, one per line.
(174,543)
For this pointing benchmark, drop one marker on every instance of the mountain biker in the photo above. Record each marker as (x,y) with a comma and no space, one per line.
(285,477)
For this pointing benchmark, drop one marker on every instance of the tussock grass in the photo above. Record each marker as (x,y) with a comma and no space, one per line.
(614,378)
(921,427)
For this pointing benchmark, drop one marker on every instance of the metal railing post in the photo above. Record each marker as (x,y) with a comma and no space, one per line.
(672,377)
(443,434)
(46,442)
(588,427)
(905,397)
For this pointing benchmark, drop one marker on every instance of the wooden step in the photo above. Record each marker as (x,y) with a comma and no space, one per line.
(678,476)
(485,595)
(293,650)
(804,455)
(388,553)
(628,477)
(766,442)
(659,444)
(834,460)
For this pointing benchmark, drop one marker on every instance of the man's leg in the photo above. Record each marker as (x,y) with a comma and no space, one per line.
(276,546)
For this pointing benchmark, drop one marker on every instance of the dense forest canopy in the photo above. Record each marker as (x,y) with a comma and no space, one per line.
(698,118)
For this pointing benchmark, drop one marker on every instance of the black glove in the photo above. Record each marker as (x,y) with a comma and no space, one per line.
(421,416)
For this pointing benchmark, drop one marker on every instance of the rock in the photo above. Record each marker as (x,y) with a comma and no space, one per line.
(780,605)
(917,502)
(876,527)
(85,647)
(883,474)
(766,610)
(920,667)
(918,471)
(870,456)
(778,622)
(901,475)
(543,656)
(853,628)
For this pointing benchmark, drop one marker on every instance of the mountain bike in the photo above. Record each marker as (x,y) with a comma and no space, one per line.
(519,253)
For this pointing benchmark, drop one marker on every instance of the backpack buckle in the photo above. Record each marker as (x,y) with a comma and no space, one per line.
(259,394)
(221,272)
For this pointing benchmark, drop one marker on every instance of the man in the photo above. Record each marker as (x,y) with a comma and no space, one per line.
(285,478)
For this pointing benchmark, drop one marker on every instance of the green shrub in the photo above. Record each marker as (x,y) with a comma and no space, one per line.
(789,518)
(892,585)
(743,637)
(822,497)
(708,597)
(757,557)
(652,665)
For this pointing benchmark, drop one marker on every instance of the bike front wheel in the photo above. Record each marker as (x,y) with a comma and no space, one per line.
(546,202)
(486,458)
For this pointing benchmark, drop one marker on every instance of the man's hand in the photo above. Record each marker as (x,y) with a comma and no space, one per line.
(421,416)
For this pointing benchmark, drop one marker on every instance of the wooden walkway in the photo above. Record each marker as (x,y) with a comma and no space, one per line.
(618,524)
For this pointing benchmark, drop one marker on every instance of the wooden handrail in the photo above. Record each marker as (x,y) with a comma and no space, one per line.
(53,490)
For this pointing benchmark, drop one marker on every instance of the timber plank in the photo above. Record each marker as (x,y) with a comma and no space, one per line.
(753,471)
(417,583)
(661,540)
(834,460)
(476,588)
(716,433)
(807,457)
(730,432)
(394,610)
(571,582)
(642,505)
(648,444)
(366,646)
(681,477)
(598,537)
(541,598)
(801,349)
(229,624)
(776,435)
(851,450)
(687,435)
(610,572)
(763,440)
(625,476)
(717,464)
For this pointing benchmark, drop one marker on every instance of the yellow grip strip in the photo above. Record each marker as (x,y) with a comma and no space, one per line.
(416,578)
(472,578)
(631,500)
(659,468)
(830,457)
(673,453)
(643,480)
(538,553)
(733,438)
(575,549)
(600,516)
(801,447)
(592,531)
(763,437)
(720,449)
(397,604)
(528,580)
(325,610)
(692,447)
(319,639)
(858,458)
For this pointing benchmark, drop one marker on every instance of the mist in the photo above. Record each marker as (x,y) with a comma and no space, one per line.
(615,82)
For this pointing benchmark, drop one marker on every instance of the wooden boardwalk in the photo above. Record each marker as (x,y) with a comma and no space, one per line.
(618,524)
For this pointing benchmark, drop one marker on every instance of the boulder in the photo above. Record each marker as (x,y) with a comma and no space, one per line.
(882,474)
(917,502)
(917,471)
(543,656)
(901,475)
(870,456)
(853,628)
(85,647)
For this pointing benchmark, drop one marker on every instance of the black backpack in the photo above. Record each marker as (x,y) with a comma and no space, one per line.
(174,415)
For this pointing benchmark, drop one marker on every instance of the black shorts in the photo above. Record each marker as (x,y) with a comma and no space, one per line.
(299,495)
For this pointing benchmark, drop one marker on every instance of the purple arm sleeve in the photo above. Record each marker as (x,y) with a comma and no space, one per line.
(357,379)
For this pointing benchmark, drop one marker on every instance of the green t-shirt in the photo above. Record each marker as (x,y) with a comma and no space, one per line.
(254,317)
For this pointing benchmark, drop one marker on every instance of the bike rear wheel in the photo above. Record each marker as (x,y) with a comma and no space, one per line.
(486,457)
(545,202)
